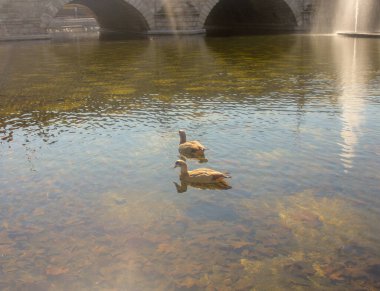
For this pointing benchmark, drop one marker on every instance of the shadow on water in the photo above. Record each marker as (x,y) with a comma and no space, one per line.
(210,211)
(115,36)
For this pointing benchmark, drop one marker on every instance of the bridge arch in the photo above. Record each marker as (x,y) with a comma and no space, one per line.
(250,15)
(122,16)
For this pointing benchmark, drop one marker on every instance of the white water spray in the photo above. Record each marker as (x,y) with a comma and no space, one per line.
(356,15)
(347,16)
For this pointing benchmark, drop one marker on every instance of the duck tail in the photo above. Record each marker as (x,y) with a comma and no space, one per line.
(227,175)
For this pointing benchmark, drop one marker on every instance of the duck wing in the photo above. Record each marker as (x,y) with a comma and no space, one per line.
(198,145)
(205,175)
(191,148)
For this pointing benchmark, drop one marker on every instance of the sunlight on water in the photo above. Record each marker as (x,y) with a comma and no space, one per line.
(352,103)
(89,199)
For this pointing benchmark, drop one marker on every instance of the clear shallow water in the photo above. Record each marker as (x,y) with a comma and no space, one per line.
(89,139)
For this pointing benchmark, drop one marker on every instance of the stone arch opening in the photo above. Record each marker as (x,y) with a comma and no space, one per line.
(114,16)
(250,17)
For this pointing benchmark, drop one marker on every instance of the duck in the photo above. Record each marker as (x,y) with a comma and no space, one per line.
(201,175)
(190,149)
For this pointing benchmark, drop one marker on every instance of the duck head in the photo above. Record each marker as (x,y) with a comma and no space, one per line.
(182,136)
(180,163)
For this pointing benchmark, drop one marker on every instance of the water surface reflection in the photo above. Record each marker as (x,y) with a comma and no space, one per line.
(353,89)
(89,134)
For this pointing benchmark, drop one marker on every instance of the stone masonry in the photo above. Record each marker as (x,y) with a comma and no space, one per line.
(30,19)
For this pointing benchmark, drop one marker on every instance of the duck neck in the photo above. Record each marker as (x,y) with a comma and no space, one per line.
(182,137)
(184,171)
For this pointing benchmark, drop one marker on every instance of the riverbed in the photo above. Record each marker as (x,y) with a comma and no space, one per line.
(89,199)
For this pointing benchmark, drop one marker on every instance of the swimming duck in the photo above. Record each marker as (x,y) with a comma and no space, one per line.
(190,148)
(200,176)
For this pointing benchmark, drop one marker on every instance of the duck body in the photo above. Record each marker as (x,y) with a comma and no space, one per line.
(200,176)
(190,148)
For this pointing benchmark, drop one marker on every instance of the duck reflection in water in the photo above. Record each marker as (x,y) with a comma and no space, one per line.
(191,149)
(182,188)
(201,159)
(202,178)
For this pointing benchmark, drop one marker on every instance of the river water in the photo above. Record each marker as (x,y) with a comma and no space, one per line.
(89,137)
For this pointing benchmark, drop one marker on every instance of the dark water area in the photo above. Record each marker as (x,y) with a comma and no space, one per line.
(89,137)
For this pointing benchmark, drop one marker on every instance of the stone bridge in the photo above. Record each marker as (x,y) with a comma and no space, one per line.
(22,19)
